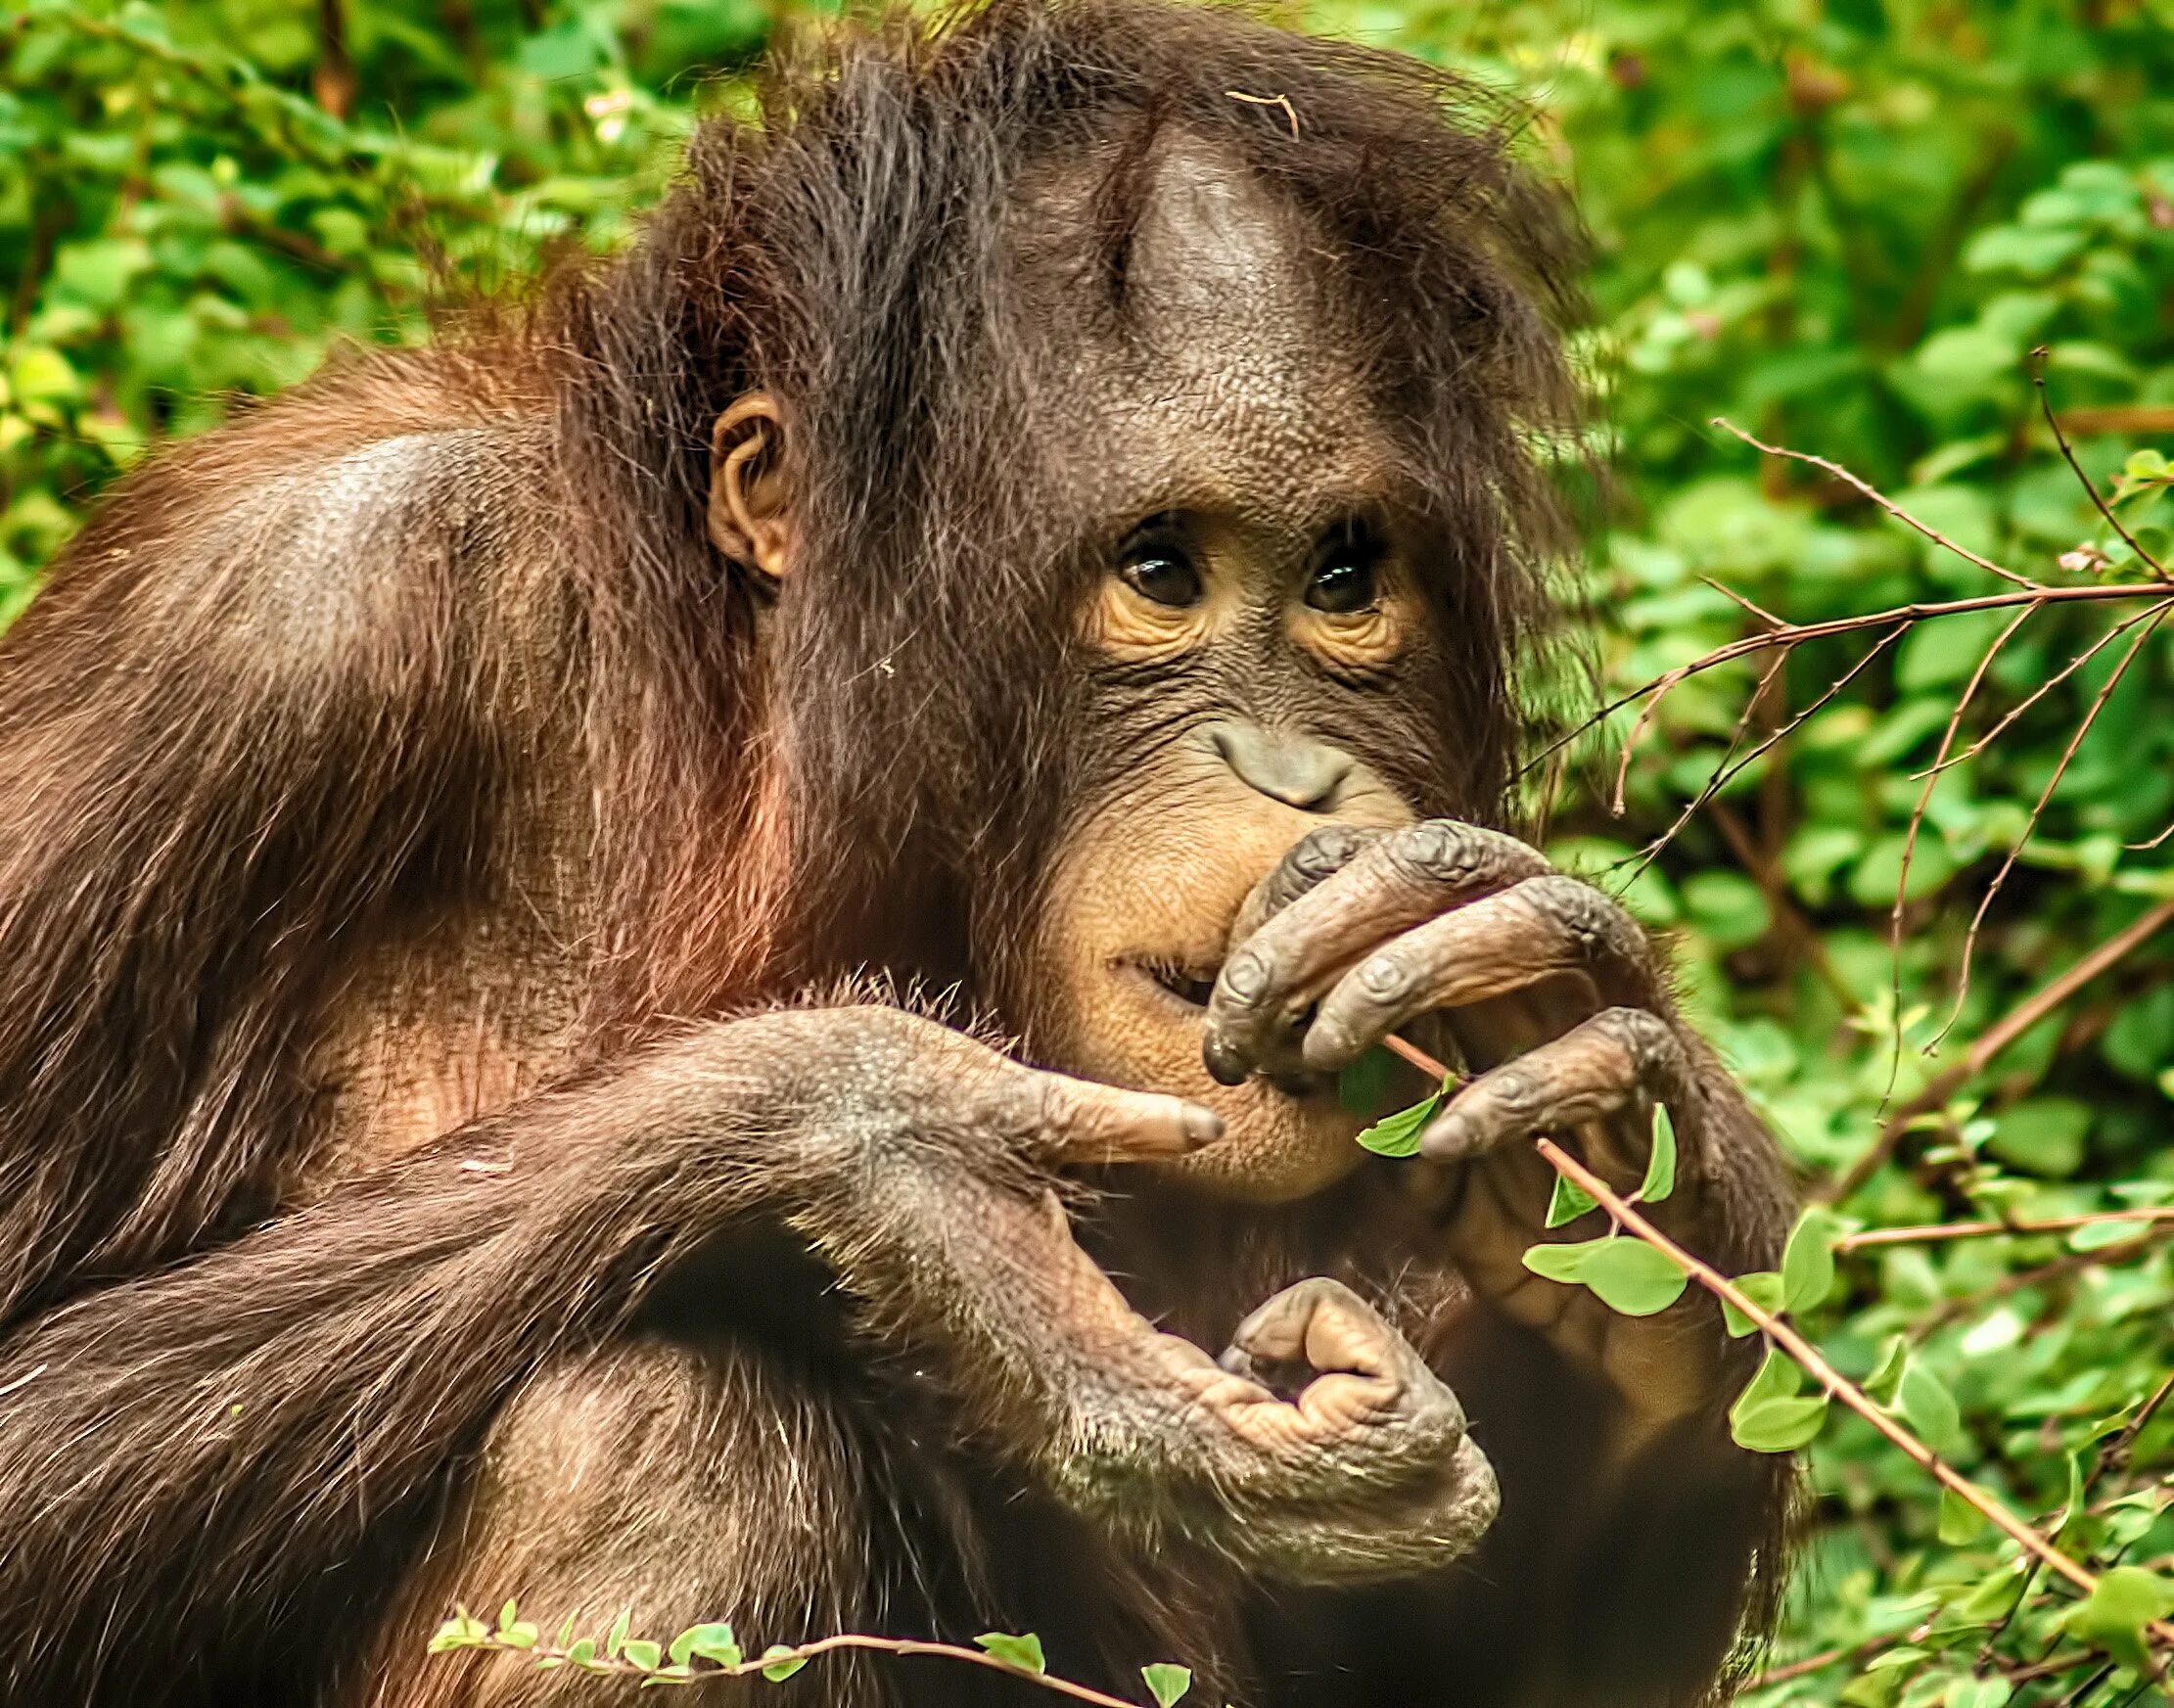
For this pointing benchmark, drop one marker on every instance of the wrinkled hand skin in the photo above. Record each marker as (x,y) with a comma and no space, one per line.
(1365,1472)
(1468,942)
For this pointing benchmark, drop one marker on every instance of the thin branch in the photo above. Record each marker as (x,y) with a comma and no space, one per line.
(1796,634)
(1998,1036)
(1867,489)
(2008,717)
(1727,770)
(2061,438)
(2115,1457)
(1934,1232)
(2157,616)
(899,1645)
(1836,1385)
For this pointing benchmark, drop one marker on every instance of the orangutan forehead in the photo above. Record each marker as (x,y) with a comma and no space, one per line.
(1193,337)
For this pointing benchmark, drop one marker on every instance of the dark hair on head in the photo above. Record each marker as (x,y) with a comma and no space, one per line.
(847,254)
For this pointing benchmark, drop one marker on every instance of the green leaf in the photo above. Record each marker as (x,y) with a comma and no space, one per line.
(1961,1522)
(1363,1085)
(2043,1134)
(1563,1262)
(1886,1376)
(1808,1262)
(617,1640)
(519,1635)
(1979,1692)
(1778,1425)
(1660,1166)
(1567,1202)
(641,1652)
(2112,1616)
(1398,1134)
(462,1630)
(1633,1278)
(1762,1287)
(715,1643)
(784,1666)
(508,1615)
(1167,1683)
(1925,1402)
(1023,1652)
(2098,1235)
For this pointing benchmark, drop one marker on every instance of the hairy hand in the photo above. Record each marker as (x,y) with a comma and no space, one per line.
(1467,939)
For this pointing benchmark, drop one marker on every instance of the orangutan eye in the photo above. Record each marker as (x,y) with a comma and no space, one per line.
(1344,581)
(1161,572)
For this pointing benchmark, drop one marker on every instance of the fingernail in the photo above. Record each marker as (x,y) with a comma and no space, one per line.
(1201,1126)
(1328,1044)
(1226,1063)
(1448,1138)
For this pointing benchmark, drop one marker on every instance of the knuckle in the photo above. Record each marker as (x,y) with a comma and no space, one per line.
(1648,1039)
(1323,852)
(1451,851)
(1581,912)
(1245,976)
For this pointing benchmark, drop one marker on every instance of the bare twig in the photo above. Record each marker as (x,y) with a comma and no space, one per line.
(1917,823)
(2068,455)
(1867,489)
(1999,1036)
(2156,617)
(2115,1457)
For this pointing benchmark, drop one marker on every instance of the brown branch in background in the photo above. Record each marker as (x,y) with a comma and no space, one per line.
(1998,1036)
(1935,1231)
(2129,418)
(1803,936)
(2022,1280)
(1868,490)
(331,81)
(2068,455)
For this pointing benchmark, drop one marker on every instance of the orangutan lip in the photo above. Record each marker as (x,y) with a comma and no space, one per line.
(1191,986)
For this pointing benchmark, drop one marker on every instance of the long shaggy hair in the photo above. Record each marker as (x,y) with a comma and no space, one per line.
(847,252)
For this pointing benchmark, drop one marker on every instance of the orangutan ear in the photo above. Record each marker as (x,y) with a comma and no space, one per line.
(751,516)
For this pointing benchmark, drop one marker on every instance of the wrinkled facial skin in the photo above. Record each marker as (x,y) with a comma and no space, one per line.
(1253,637)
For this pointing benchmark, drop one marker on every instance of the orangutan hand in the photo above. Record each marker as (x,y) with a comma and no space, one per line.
(1469,941)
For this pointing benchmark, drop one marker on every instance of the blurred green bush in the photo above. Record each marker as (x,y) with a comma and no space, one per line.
(1841,224)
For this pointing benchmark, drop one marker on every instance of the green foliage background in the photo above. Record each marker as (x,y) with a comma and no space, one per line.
(1840,223)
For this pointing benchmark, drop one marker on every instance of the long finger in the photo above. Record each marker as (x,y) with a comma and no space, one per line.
(1081,1122)
(1536,929)
(1390,886)
(1600,1067)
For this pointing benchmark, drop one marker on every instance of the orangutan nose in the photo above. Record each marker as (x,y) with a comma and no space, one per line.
(1282,765)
